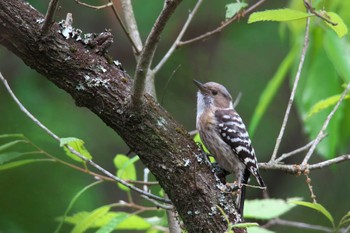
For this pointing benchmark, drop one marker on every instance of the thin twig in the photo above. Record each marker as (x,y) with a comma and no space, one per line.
(92,163)
(146,56)
(179,38)
(312,10)
(156,203)
(308,182)
(49,17)
(297,151)
(295,85)
(136,49)
(324,126)
(300,225)
(133,206)
(93,6)
(131,25)
(238,98)
(295,168)
(221,27)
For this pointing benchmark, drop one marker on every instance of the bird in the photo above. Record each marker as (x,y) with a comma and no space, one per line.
(224,134)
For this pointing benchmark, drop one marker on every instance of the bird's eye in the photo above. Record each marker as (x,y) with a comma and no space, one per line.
(214,92)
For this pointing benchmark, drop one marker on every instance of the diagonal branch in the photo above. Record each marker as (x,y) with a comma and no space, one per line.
(221,27)
(179,38)
(50,15)
(295,85)
(324,126)
(146,56)
(131,25)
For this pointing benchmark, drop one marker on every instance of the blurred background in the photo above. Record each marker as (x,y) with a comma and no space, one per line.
(243,57)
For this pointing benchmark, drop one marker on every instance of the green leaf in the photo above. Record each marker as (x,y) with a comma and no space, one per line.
(10,144)
(5,157)
(267,208)
(89,220)
(78,145)
(22,162)
(17,135)
(197,139)
(258,230)
(323,104)
(133,222)
(271,89)
(338,52)
(125,168)
(71,203)
(233,8)
(245,225)
(341,29)
(277,15)
(113,223)
(317,207)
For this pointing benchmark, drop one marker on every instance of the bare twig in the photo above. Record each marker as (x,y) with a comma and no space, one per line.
(324,126)
(308,182)
(156,203)
(296,151)
(146,56)
(133,206)
(295,168)
(93,6)
(173,222)
(98,167)
(50,15)
(238,98)
(131,25)
(179,37)
(300,225)
(221,27)
(295,85)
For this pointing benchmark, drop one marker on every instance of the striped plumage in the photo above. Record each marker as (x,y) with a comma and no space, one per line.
(224,134)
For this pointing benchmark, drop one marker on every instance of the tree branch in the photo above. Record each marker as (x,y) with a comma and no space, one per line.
(178,39)
(300,225)
(221,27)
(324,126)
(131,25)
(95,82)
(71,149)
(295,85)
(50,15)
(146,57)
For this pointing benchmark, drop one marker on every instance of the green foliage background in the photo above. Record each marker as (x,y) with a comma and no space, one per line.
(243,58)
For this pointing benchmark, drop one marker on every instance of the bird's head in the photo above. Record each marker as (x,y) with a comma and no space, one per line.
(212,94)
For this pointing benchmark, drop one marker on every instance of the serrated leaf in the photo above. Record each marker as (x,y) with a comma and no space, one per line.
(5,157)
(133,222)
(89,220)
(258,230)
(271,89)
(267,208)
(22,162)
(15,135)
(78,145)
(341,29)
(278,15)
(125,168)
(323,104)
(233,8)
(10,144)
(317,207)
(113,223)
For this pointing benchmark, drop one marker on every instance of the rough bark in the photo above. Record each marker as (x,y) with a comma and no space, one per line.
(95,82)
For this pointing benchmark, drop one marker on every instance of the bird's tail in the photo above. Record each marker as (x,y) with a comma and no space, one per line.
(260,180)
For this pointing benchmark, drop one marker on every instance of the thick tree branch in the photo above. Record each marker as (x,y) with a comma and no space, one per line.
(95,82)
(142,73)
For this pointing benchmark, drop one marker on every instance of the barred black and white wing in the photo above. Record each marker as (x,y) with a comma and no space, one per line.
(233,132)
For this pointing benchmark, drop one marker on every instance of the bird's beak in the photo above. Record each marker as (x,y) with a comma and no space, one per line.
(199,85)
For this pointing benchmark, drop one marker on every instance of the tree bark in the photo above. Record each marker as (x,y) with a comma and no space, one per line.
(94,81)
